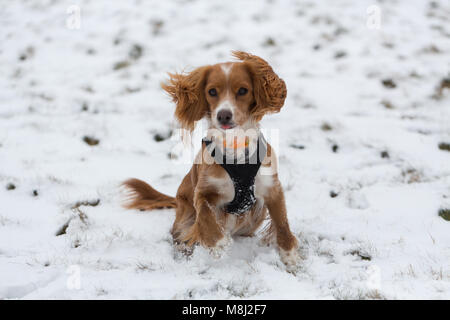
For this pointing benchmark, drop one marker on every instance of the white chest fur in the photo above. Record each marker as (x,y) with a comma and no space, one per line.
(234,224)
(263,182)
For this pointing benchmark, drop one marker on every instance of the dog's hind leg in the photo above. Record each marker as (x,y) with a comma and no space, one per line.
(184,219)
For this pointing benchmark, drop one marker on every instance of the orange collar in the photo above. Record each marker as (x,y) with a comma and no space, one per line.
(235,144)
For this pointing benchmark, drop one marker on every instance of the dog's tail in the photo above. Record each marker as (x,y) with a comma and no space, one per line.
(143,197)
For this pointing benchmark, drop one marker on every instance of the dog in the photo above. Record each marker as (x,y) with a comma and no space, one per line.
(215,200)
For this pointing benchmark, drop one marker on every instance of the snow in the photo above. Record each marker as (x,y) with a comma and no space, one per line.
(379,238)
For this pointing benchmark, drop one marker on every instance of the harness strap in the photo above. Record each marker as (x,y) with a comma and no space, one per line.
(242,174)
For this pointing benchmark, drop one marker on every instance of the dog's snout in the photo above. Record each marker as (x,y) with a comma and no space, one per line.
(224,116)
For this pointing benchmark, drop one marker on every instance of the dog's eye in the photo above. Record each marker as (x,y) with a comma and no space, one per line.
(242,91)
(212,92)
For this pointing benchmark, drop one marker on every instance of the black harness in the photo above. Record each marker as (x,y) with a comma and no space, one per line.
(242,174)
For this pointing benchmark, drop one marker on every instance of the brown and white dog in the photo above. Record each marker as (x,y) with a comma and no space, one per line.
(231,96)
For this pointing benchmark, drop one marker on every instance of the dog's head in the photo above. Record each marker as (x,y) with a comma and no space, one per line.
(230,95)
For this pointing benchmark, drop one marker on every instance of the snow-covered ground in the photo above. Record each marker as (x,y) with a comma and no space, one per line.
(358,147)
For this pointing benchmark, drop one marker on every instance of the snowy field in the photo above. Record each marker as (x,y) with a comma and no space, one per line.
(362,151)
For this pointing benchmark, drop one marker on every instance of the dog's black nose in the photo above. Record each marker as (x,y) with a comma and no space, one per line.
(224,116)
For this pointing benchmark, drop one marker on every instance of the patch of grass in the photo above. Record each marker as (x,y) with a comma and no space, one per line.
(63,229)
(76,243)
(384,154)
(136,52)
(297,146)
(361,254)
(158,137)
(374,295)
(91,203)
(157,26)
(387,104)
(437,274)
(339,31)
(121,65)
(412,175)
(411,272)
(270,42)
(141,266)
(431,49)
(326,127)
(101,292)
(340,54)
(172,156)
(443,84)
(132,90)
(239,289)
(414,74)
(389,83)
(359,294)
(26,54)
(444,146)
(444,214)
(333,194)
(80,214)
(10,186)
(5,221)
(309,106)
(91,140)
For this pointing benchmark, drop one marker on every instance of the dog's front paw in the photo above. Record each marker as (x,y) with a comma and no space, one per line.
(182,249)
(291,258)
(220,247)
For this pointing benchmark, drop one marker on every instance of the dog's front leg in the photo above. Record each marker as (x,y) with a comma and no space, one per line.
(206,230)
(286,241)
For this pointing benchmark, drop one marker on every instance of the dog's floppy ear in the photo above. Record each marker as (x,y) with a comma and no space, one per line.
(269,90)
(188,92)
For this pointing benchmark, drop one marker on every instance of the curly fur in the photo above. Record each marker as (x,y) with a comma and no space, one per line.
(269,90)
(187,91)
